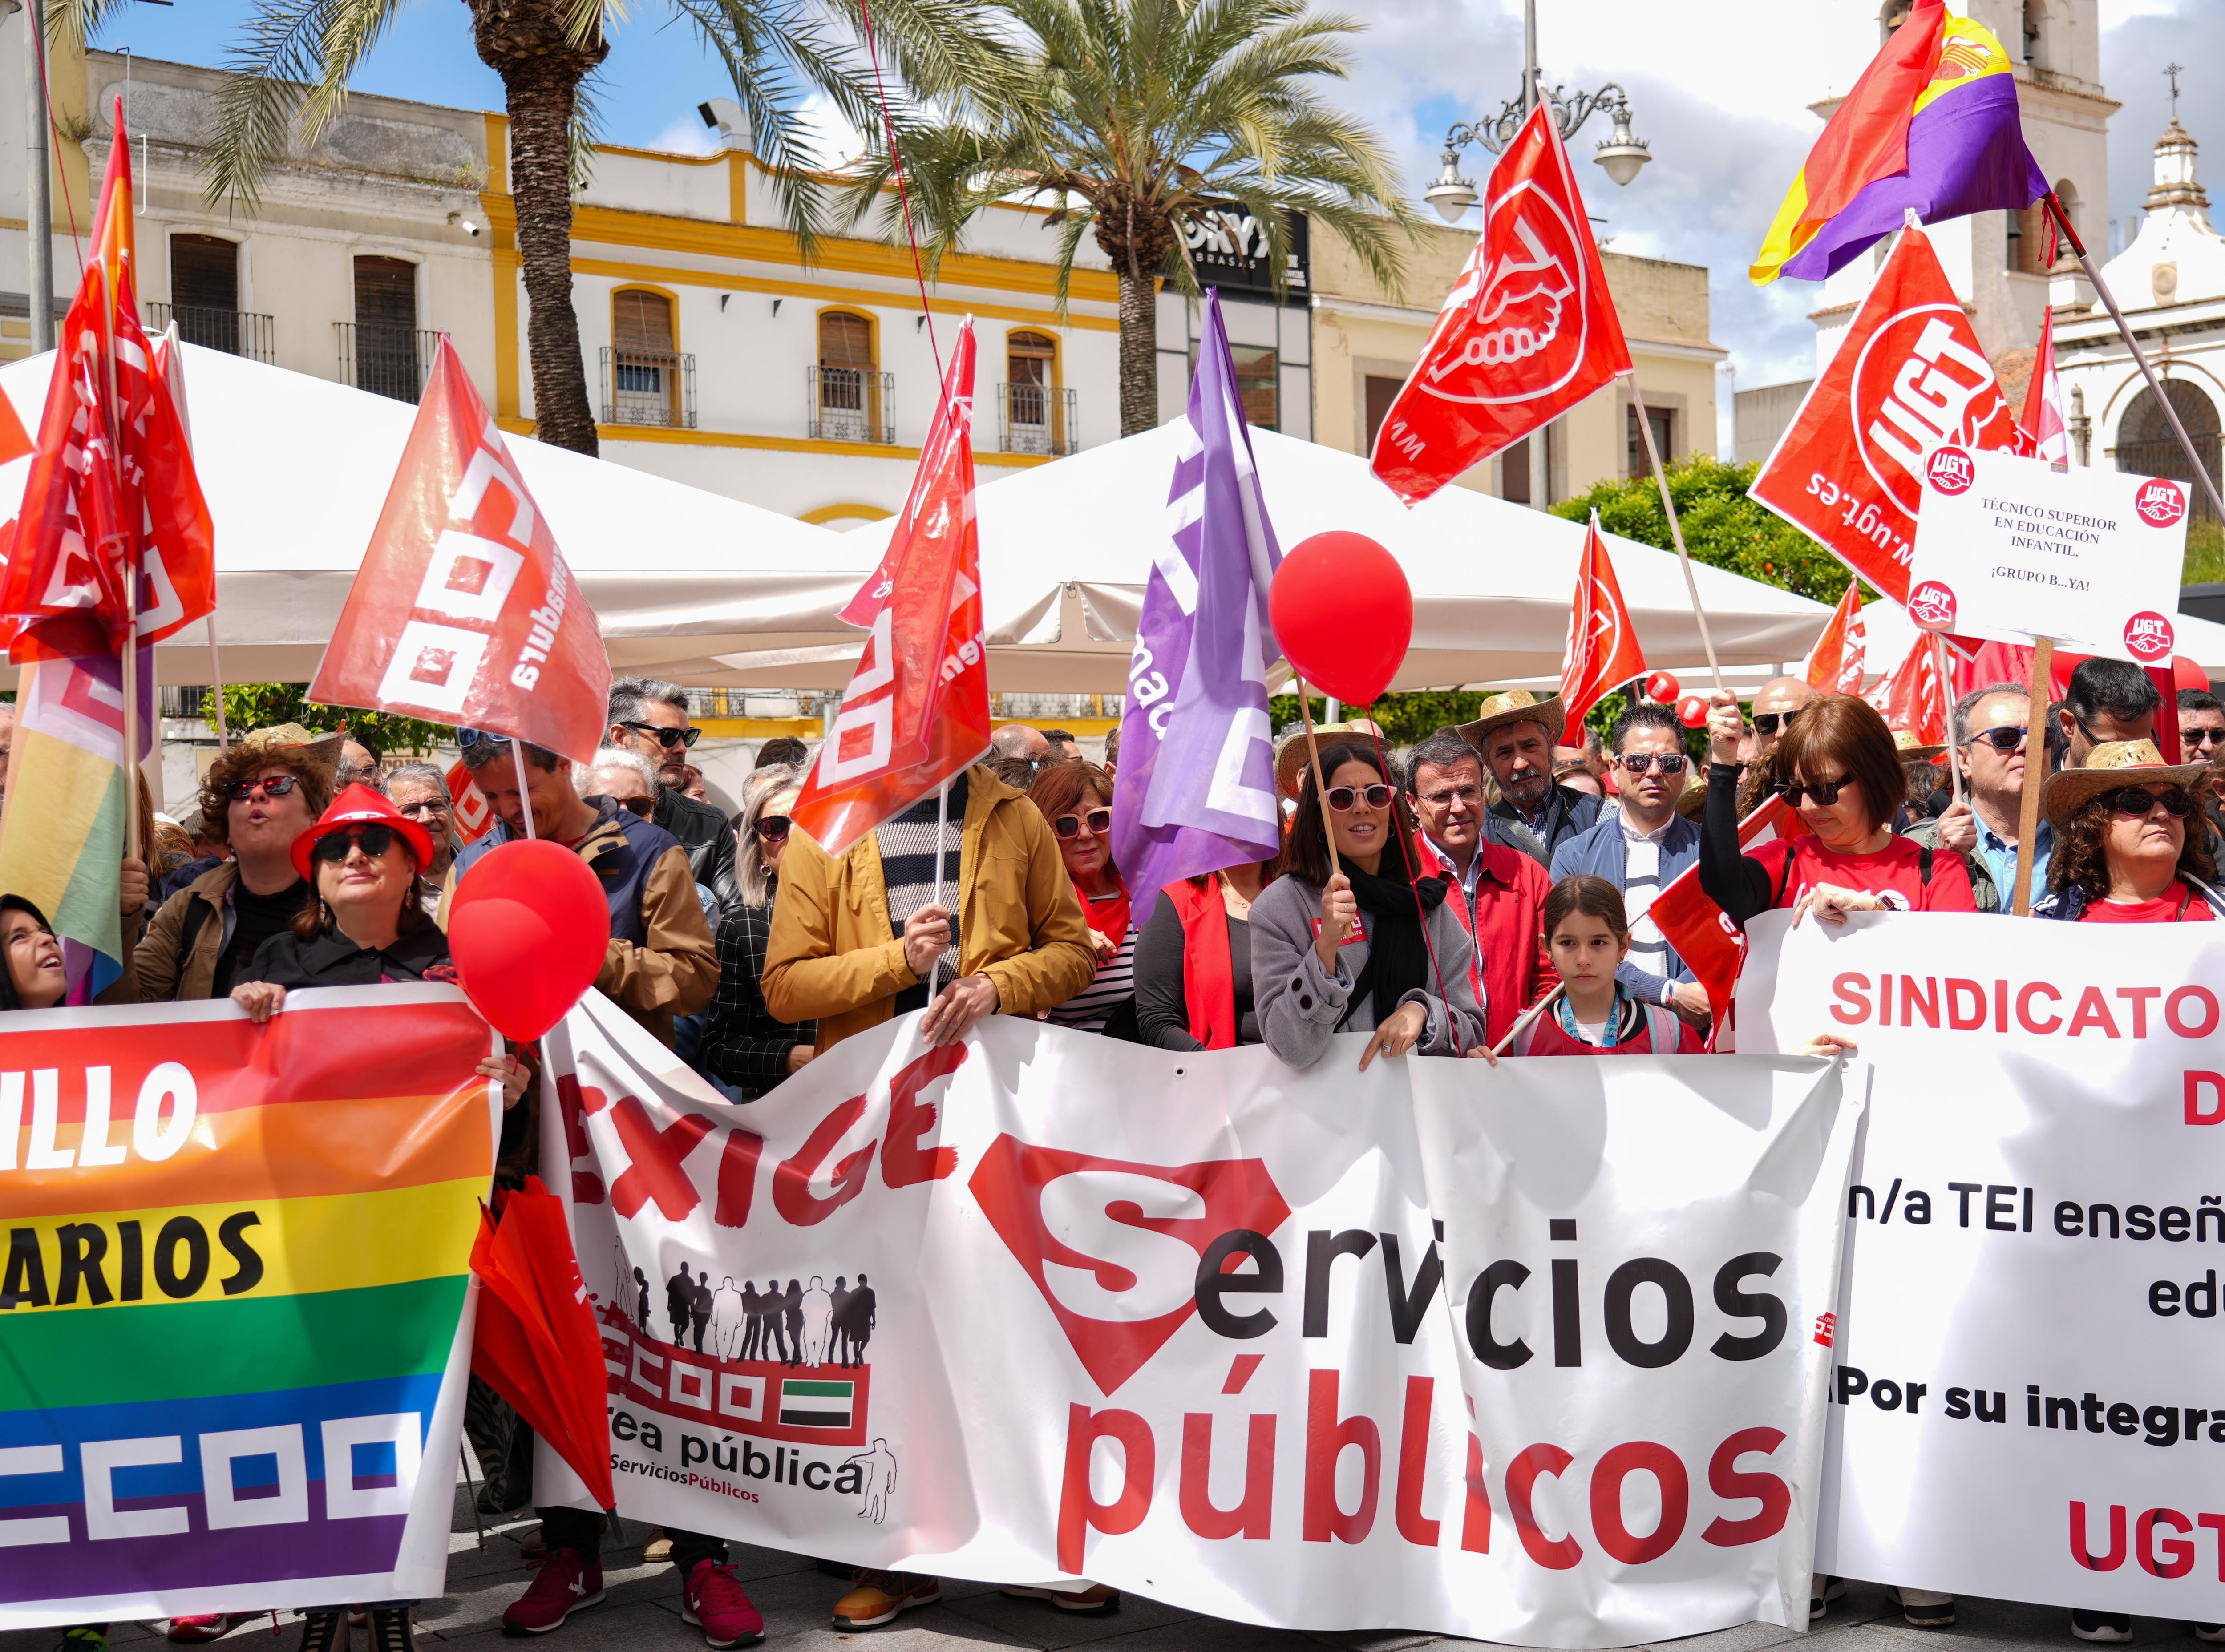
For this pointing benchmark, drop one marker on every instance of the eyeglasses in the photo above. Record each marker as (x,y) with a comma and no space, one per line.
(2136,802)
(1100,822)
(1824,792)
(334,846)
(1637,762)
(270,785)
(2003,740)
(2201,736)
(433,806)
(1341,798)
(465,739)
(643,807)
(772,827)
(1770,722)
(667,737)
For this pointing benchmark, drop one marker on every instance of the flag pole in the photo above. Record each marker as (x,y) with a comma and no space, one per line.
(525,797)
(2085,259)
(1320,781)
(1947,710)
(1676,527)
(128,661)
(2035,772)
(941,816)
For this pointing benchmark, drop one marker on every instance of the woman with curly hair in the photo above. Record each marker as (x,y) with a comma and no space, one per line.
(1076,798)
(2129,843)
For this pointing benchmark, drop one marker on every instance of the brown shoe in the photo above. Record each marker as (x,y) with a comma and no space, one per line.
(1092,1600)
(532,1546)
(658,1549)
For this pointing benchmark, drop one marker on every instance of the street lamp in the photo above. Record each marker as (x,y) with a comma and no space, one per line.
(1623,153)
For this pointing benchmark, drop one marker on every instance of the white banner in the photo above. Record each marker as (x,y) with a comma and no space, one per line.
(1045,1306)
(2030,1339)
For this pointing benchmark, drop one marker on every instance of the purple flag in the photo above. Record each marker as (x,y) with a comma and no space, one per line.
(1196,787)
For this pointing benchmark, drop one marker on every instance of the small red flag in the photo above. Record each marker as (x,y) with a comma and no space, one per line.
(2045,431)
(15,440)
(1527,330)
(463,611)
(1712,946)
(1910,697)
(1908,375)
(1602,651)
(1836,664)
(917,712)
(468,805)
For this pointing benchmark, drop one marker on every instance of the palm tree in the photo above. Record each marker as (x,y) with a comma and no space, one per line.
(295,59)
(1136,119)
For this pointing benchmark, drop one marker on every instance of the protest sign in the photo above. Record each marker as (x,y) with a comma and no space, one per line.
(236,1309)
(2030,1407)
(2012,549)
(1042,1306)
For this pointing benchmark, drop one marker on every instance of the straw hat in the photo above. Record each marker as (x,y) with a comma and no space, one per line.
(321,747)
(359,806)
(2108,766)
(1906,745)
(1293,754)
(1516,705)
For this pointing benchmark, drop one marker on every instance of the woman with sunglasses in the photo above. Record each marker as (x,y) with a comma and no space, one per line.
(745,1049)
(1836,766)
(1076,798)
(2124,851)
(1367,949)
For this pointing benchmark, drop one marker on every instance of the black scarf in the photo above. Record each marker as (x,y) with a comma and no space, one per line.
(1398,952)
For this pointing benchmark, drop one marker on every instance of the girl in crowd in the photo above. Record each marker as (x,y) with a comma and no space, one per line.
(2123,849)
(1587,936)
(746,1051)
(1366,949)
(1076,798)
(1836,764)
(1194,962)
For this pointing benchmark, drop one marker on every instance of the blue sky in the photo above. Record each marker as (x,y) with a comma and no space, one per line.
(1728,122)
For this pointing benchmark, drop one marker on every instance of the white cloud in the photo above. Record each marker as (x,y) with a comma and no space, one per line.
(686,136)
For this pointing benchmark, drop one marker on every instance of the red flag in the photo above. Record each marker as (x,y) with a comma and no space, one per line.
(111,482)
(1712,946)
(1910,697)
(463,611)
(535,1342)
(1836,664)
(1602,651)
(15,440)
(2045,431)
(1527,330)
(917,711)
(1908,376)
(467,806)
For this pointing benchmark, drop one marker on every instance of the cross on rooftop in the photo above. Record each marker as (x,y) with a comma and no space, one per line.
(2174,70)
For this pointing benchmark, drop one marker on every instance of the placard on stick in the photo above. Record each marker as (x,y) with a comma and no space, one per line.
(2014,549)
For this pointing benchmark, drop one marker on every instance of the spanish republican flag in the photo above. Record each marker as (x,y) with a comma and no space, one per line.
(1931,126)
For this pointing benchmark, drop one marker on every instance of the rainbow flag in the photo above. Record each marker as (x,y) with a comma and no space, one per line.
(235,1324)
(1932,128)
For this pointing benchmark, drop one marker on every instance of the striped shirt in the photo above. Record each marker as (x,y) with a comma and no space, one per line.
(1114,983)
(1641,881)
(907,844)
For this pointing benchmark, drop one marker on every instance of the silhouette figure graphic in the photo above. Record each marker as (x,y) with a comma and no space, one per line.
(775,1314)
(853,1322)
(726,1321)
(878,1467)
(838,1352)
(753,1320)
(818,1312)
(792,1316)
(699,1305)
(679,1304)
(640,1294)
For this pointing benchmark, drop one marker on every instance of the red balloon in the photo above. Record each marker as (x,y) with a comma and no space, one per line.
(1343,612)
(1663,687)
(2188,673)
(528,927)
(1692,711)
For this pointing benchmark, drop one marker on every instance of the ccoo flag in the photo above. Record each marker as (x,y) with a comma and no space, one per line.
(1197,766)
(1602,651)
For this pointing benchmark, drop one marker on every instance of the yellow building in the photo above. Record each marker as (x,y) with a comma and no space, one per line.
(1365,341)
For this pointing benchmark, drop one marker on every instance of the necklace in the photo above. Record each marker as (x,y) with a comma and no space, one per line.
(1238,906)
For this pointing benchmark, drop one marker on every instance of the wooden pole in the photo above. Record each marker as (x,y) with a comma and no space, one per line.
(1676,529)
(129,662)
(1947,711)
(1527,1017)
(1320,781)
(2035,772)
(525,797)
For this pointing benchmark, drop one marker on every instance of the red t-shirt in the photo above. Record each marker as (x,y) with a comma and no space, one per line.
(1549,1039)
(2182,906)
(1895,872)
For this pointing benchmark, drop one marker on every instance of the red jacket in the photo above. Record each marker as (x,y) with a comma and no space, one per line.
(1507,921)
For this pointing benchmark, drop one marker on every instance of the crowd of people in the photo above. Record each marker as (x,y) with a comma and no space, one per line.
(1486,894)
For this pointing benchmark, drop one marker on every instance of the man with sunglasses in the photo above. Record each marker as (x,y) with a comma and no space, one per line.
(649,717)
(2201,739)
(2110,702)
(1639,847)
(1989,732)
(1778,701)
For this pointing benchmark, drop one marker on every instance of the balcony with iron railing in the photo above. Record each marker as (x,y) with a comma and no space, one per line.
(850,404)
(1036,418)
(649,387)
(386,360)
(235,332)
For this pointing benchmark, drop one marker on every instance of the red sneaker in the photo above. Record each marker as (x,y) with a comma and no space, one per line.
(207,1626)
(566,1582)
(712,1599)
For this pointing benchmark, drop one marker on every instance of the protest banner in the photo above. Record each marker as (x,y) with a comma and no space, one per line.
(236,1314)
(1040,1306)
(2028,1374)
(2014,549)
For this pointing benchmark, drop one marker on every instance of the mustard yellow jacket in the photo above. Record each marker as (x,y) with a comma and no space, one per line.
(834,957)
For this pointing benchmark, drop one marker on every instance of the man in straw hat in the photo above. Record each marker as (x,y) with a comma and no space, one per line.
(1516,732)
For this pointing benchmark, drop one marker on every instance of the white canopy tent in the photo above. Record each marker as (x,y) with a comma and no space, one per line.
(1067,547)
(295,470)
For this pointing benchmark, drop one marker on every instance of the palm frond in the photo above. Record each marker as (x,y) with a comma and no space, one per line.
(586,130)
(289,70)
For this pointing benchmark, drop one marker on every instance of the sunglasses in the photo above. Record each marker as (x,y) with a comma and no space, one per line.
(1069,825)
(772,827)
(2137,801)
(1341,798)
(667,737)
(1824,792)
(2201,736)
(1672,762)
(2002,740)
(333,846)
(271,786)
(1770,722)
(467,737)
(643,807)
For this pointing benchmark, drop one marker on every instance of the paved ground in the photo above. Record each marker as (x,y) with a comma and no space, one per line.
(643,1615)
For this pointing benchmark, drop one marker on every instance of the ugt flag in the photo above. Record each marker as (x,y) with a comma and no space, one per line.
(1834,665)
(1527,331)
(1197,765)
(1602,650)
(917,711)
(463,611)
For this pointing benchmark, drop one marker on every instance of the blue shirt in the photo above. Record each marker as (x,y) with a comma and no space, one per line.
(2001,855)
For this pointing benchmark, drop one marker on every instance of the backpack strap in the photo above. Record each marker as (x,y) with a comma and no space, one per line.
(1924,863)
(1663,1028)
(2185,898)
(198,912)
(1784,876)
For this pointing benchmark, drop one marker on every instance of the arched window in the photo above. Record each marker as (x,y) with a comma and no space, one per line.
(1028,359)
(2035,34)
(848,403)
(2146,446)
(644,370)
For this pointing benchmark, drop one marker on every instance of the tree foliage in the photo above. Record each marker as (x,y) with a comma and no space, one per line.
(265,705)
